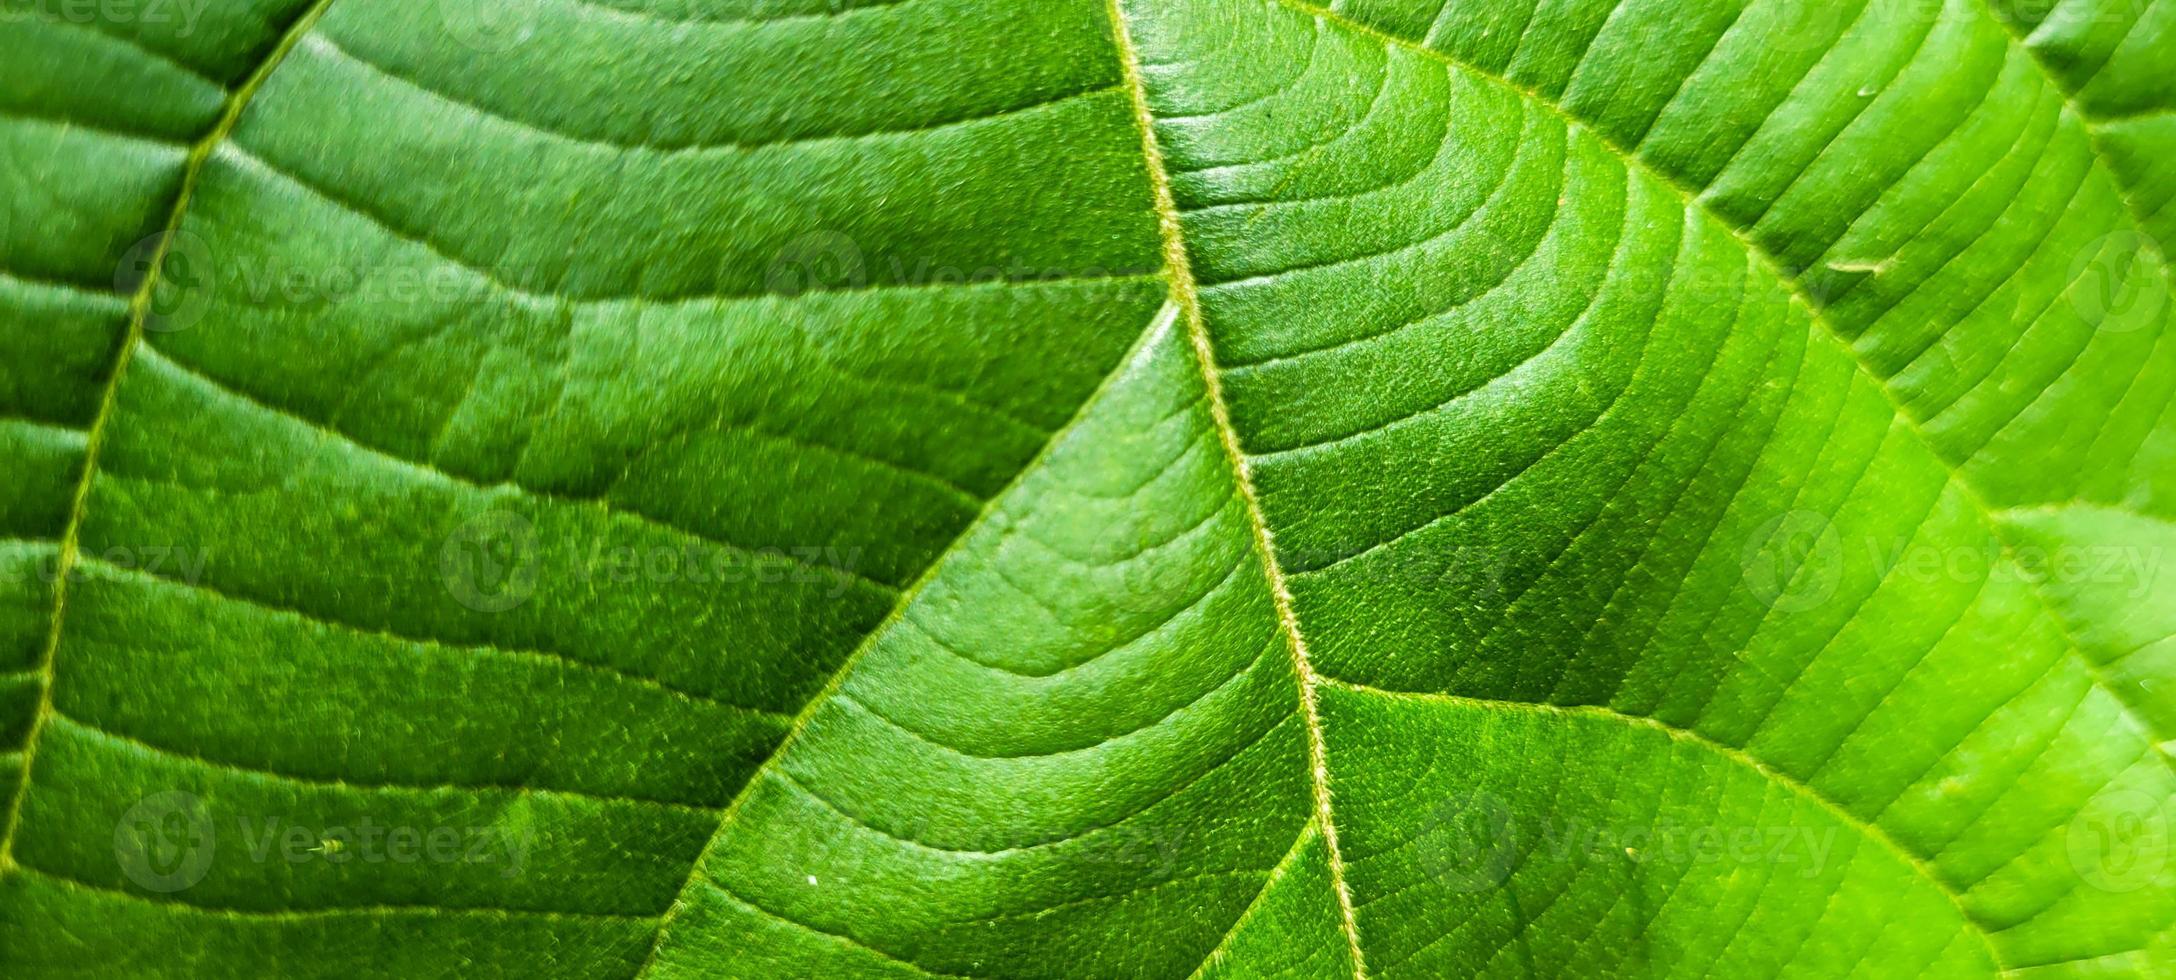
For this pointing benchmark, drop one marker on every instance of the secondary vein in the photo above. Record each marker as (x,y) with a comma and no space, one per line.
(1818,320)
(1149,337)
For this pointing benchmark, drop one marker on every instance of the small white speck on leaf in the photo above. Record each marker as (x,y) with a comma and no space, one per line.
(811,879)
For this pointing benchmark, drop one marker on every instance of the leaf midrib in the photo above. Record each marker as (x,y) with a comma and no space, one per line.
(905,601)
(1184,295)
(2093,124)
(139,313)
(1185,291)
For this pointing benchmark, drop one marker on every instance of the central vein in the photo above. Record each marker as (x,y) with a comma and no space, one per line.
(1186,297)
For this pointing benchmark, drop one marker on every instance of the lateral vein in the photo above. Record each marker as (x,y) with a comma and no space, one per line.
(1149,337)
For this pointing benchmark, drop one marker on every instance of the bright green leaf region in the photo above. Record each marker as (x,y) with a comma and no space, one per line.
(1087,488)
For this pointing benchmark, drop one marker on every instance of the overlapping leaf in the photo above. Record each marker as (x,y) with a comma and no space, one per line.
(1217,487)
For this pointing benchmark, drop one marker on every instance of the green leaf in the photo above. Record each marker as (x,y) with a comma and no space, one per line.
(1104,488)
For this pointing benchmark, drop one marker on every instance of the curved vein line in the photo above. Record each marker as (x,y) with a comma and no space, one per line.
(557,660)
(1079,833)
(1836,809)
(1945,217)
(1647,456)
(1480,214)
(1276,874)
(840,573)
(1237,675)
(2091,124)
(324,912)
(719,425)
(1283,85)
(837,937)
(333,50)
(242,156)
(44,15)
(95,439)
(1476,219)
(1817,317)
(1157,328)
(102,299)
(263,775)
(687,18)
(41,117)
(1162,626)
(1275,197)
(1426,413)
(1307,153)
